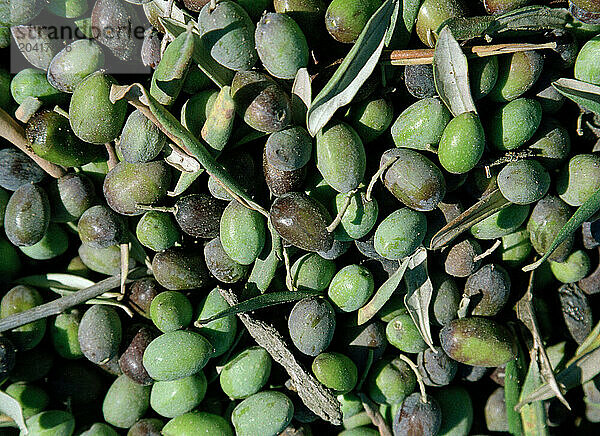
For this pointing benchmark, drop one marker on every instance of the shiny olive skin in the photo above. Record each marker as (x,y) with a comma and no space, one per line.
(27,215)
(302,221)
(421,124)
(400,233)
(180,268)
(345,20)
(70,196)
(433,13)
(462,143)
(16,169)
(242,233)
(19,299)
(517,73)
(131,361)
(578,179)
(586,65)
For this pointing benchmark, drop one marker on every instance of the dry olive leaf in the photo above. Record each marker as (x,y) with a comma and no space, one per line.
(451,74)
(584,94)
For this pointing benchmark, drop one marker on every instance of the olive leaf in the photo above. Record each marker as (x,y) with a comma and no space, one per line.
(184,181)
(302,88)
(530,19)
(419,291)
(582,214)
(70,282)
(260,302)
(488,205)
(266,264)
(533,416)
(354,70)
(451,74)
(513,380)
(383,294)
(464,28)
(584,94)
(410,10)
(12,408)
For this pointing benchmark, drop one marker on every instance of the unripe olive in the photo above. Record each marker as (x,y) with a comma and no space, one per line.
(462,143)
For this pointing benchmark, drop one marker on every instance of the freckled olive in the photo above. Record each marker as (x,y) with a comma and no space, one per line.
(460,258)
(417,416)
(513,124)
(100,333)
(419,81)
(340,156)
(17,169)
(100,227)
(462,143)
(403,334)
(579,179)
(302,221)
(141,294)
(281,182)
(359,218)
(575,267)
(351,288)
(148,427)
(157,230)
(517,73)
(176,397)
(220,265)
(242,233)
(74,63)
(27,215)
(495,411)
(264,413)
(180,268)
(31,82)
(311,325)
(524,181)
(70,196)
(548,216)
(289,149)
(551,143)
(413,179)
(345,20)
(64,330)
(483,73)
(246,373)
(109,19)
(201,422)
(19,299)
(170,311)
(446,298)
(400,233)
(125,402)
(140,141)
(198,215)
(437,369)
(421,124)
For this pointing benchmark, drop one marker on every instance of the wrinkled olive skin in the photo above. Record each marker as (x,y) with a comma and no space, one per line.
(176,397)
(501,223)
(575,267)
(578,179)
(242,233)
(514,123)
(176,354)
(312,272)
(228,33)
(220,332)
(127,185)
(180,269)
(220,265)
(70,196)
(462,143)
(140,141)
(400,233)
(483,74)
(433,13)
(478,342)
(100,333)
(51,138)
(345,20)
(198,215)
(576,311)
(125,402)
(586,65)
(19,299)
(413,179)
(74,63)
(340,156)
(517,73)
(267,412)
(390,381)
(489,289)
(17,169)
(261,102)
(311,325)
(301,221)
(27,215)
(281,182)
(336,371)
(281,45)
(107,17)
(147,427)
(524,181)
(460,258)
(418,417)
(548,216)
(170,311)
(402,333)
(351,288)
(131,360)
(421,125)
(246,373)
(437,369)
(100,227)
(201,422)
(92,116)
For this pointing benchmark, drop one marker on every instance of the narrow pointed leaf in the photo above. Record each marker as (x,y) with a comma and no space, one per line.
(584,94)
(56,280)
(302,87)
(383,294)
(582,214)
(451,74)
(185,181)
(262,301)
(11,408)
(488,205)
(513,380)
(419,291)
(410,10)
(530,19)
(533,416)
(354,70)
(392,25)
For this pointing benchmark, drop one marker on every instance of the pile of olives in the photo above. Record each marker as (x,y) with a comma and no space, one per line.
(92,187)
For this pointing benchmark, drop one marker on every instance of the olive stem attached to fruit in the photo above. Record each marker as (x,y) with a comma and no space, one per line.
(338,219)
(377,175)
(418,375)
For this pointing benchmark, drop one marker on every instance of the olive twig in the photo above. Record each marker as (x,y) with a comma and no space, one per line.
(14,133)
(414,368)
(375,416)
(61,304)
(377,175)
(166,209)
(288,270)
(315,396)
(338,218)
(487,252)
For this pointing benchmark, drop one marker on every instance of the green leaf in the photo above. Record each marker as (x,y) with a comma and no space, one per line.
(584,94)
(464,28)
(582,214)
(11,408)
(262,301)
(410,10)
(530,19)
(451,74)
(354,70)
(383,294)
(266,264)
(302,87)
(419,291)
(488,205)
(392,25)
(533,416)
(185,181)
(69,282)
(513,379)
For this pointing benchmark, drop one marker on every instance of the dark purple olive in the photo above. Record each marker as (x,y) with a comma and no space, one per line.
(280,181)
(141,294)
(131,361)
(418,417)
(114,24)
(199,215)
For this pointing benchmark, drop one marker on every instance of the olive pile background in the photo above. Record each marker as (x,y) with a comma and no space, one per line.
(144,365)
